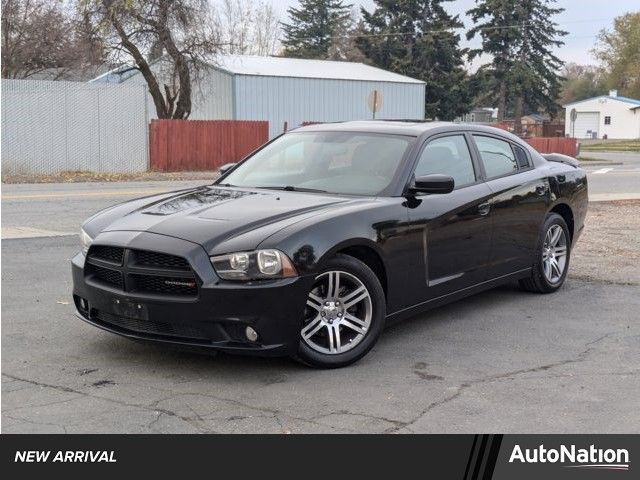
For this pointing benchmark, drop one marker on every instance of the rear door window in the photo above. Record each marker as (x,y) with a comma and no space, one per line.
(497,156)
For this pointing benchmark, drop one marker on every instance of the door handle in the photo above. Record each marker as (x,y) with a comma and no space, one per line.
(484,209)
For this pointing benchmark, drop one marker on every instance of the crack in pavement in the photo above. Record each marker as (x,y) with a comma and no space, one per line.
(197,421)
(397,423)
(98,397)
(33,422)
(501,376)
(270,412)
(152,407)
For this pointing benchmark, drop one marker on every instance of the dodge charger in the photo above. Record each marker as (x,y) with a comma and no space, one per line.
(315,241)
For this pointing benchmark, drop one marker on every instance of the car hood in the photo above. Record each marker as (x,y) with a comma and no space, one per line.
(212,216)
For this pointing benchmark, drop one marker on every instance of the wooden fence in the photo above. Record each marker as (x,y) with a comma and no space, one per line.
(546,129)
(566,146)
(179,145)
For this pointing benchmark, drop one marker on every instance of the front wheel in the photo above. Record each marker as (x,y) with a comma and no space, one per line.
(344,314)
(551,262)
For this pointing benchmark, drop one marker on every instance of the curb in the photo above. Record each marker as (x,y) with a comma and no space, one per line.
(584,163)
(613,197)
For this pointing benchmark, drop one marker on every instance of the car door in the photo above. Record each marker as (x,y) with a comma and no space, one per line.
(455,227)
(519,201)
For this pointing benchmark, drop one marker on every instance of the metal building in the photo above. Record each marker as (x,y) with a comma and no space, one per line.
(294,91)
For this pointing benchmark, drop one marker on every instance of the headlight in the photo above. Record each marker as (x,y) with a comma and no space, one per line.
(85,240)
(260,264)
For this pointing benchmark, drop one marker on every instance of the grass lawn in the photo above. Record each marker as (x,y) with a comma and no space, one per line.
(612,146)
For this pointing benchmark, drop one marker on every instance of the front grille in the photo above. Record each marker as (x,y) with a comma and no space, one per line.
(147,326)
(164,285)
(108,254)
(106,276)
(145,258)
(140,271)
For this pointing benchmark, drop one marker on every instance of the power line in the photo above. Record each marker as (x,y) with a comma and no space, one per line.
(521,25)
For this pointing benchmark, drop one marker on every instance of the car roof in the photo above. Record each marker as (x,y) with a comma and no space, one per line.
(412,128)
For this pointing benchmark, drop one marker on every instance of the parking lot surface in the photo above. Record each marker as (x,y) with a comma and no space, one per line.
(503,360)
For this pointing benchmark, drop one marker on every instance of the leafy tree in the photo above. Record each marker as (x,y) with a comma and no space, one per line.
(181,33)
(580,82)
(619,53)
(312,26)
(415,38)
(520,37)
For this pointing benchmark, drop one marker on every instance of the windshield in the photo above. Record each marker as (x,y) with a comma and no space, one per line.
(336,162)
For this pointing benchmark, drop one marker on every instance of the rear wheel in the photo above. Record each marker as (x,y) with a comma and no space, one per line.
(552,257)
(344,314)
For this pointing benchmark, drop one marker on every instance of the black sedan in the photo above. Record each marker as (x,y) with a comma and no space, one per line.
(311,244)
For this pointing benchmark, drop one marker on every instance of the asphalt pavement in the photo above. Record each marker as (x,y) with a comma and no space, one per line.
(503,360)
(617,180)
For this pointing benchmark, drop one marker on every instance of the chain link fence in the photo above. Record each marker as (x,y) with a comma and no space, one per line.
(50,127)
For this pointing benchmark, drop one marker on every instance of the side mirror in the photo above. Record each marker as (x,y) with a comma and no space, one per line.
(226,167)
(434,183)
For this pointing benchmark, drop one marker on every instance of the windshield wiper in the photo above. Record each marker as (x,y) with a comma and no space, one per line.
(291,188)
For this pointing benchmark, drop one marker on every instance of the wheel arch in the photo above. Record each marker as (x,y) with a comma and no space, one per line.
(565,211)
(367,252)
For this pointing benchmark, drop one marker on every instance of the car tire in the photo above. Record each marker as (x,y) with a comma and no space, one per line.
(540,281)
(354,275)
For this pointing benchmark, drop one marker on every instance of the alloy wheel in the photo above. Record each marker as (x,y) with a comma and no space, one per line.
(338,313)
(554,254)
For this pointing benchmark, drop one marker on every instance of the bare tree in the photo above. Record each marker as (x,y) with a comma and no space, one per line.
(266,34)
(179,35)
(249,27)
(236,20)
(42,38)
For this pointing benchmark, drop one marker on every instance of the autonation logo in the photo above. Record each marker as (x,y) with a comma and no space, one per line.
(573,457)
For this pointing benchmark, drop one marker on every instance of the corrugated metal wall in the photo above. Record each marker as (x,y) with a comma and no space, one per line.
(50,126)
(295,100)
(211,96)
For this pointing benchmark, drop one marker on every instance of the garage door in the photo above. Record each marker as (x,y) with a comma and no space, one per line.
(586,124)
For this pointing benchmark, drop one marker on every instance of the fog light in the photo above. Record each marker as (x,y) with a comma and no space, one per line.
(251,334)
(84,305)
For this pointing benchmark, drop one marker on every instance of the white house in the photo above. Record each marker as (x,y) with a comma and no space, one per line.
(293,91)
(612,115)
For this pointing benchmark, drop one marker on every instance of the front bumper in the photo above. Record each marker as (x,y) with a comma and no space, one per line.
(216,318)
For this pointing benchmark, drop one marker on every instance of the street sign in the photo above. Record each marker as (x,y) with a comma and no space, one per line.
(374,100)
(573,114)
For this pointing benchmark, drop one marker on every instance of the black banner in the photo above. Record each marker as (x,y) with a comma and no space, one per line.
(464,457)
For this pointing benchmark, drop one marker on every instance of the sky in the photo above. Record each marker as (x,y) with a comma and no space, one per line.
(583,19)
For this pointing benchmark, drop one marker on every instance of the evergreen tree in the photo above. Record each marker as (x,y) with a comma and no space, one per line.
(520,36)
(416,38)
(311,27)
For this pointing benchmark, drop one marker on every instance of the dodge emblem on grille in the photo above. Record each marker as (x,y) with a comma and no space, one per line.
(180,284)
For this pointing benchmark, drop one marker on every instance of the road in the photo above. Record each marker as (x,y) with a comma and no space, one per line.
(503,360)
(621,179)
